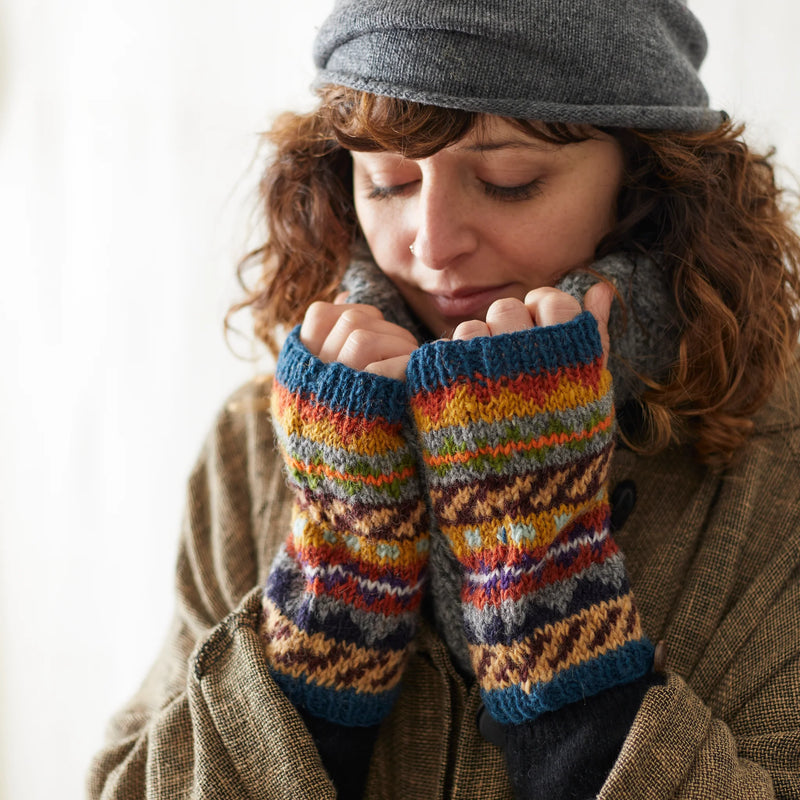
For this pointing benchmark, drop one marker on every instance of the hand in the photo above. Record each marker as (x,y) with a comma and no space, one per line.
(544,306)
(357,335)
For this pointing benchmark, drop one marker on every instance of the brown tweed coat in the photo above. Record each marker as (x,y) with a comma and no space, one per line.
(715,565)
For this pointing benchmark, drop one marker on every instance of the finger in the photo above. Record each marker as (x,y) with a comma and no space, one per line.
(351,319)
(390,367)
(364,347)
(598,301)
(320,319)
(341,298)
(550,306)
(507,316)
(471,329)
(354,322)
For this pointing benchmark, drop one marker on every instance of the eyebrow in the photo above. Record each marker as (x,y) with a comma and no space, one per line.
(502,144)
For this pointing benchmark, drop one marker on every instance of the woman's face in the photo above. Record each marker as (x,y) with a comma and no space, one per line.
(494,215)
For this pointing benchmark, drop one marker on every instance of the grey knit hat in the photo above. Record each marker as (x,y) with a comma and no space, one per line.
(627,63)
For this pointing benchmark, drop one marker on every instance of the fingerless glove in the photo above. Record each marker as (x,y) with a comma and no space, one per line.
(516,433)
(341,602)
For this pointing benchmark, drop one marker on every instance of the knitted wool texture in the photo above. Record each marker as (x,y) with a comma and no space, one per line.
(341,602)
(516,435)
(628,63)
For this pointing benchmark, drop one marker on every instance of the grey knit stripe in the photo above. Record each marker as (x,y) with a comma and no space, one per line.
(479,433)
(517,465)
(510,615)
(521,462)
(304,449)
(307,451)
(370,495)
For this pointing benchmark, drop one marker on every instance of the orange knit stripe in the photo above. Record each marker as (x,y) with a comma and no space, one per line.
(368,480)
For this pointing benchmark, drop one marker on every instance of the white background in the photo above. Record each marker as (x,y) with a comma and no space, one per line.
(127,137)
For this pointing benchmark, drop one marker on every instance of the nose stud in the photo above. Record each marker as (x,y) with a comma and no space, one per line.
(411,248)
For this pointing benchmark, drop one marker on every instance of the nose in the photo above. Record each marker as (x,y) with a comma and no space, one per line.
(445,222)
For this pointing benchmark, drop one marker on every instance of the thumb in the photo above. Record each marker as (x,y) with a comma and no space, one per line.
(598,301)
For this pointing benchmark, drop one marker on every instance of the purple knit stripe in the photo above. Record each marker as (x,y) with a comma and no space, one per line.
(332,580)
(495,629)
(281,589)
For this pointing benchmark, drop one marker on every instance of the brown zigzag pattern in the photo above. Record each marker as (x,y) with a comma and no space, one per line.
(397,521)
(520,496)
(326,661)
(537,658)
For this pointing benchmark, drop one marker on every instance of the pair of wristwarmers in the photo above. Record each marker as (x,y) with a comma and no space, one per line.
(510,443)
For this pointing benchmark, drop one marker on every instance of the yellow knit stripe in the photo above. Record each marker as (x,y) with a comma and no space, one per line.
(377,439)
(393,552)
(463,406)
(327,662)
(501,666)
(525,534)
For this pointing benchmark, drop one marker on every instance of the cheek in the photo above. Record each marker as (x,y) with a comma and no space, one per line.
(589,216)
(385,236)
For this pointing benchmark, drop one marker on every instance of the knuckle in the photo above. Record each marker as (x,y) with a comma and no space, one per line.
(351,317)
(314,315)
(469,329)
(536,295)
(505,306)
(358,339)
(560,304)
(317,323)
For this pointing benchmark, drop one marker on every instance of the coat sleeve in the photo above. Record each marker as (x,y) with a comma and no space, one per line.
(726,723)
(209,721)
(679,749)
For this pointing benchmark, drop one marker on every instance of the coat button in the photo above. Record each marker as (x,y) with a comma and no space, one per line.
(623,499)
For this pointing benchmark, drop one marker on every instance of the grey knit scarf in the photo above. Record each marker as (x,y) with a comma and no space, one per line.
(643,340)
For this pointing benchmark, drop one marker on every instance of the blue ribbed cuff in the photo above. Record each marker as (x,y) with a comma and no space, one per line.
(344,707)
(533,351)
(336,386)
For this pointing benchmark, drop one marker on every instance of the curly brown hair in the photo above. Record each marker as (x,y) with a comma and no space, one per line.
(703,203)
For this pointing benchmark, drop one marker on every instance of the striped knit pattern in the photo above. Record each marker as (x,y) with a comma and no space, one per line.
(517,435)
(342,598)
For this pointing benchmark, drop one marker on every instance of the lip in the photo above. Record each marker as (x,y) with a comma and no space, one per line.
(468,302)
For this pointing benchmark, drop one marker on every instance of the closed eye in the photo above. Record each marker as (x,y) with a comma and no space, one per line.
(511,193)
(523,191)
(386,192)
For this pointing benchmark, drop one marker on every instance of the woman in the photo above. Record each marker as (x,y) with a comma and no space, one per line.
(548,307)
